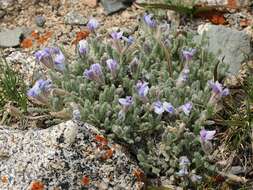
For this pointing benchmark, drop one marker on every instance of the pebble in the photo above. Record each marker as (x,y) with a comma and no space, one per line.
(2,13)
(75,18)
(40,21)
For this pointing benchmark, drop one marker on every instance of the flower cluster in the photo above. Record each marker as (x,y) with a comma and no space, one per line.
(52,58)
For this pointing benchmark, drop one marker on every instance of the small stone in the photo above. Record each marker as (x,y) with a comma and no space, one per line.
(40,21)
(74,18)
(4,4)
(2,13)
(11,38)
(91,3)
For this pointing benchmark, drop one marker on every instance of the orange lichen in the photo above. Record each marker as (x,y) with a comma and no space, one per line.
(35,34)
(37,185)
(4,179)
(80,36)
(101,139)
(27,43)
(108,154)
(218,19)
(139,175)
(232,4)
(85,180)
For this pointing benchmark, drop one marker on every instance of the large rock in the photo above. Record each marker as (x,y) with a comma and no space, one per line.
(11,38)
(69,156)
(112,6)
(232,45)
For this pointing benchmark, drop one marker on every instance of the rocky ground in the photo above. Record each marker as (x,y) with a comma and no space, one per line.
(73,155)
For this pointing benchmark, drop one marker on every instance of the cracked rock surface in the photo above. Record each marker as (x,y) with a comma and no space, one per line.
(69,156)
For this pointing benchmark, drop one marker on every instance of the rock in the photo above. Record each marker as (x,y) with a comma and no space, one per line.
(11,38)
(4,4)
(66,156)
(40,21)
(74,18)
(228,3)
(91,3)
(112,6)
(232,45)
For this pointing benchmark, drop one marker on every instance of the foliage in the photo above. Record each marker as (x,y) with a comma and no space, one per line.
(12,87)
(155,57)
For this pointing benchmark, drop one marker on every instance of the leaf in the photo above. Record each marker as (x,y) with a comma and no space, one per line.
(216,17)
(80,36)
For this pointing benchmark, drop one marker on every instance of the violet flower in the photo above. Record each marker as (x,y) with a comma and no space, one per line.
(183,76)
(205,138)
(149,20)
(217,89)
(116,35)
(83,47)
(134,65)
(184,163)
(51,57)
(40,90)
(112,65)
(93,24)
(168,107)
(188,54)
(129,40)
(126,102)
(186,108)
(142,88)
(40,86)
(94,73)
(206,135)
(158,107)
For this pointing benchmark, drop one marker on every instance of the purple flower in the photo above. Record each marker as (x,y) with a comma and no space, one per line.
(44,57)
(116,35)
(51,57)
(40,87)
(217,88)
(126,102)
(129,40)
(196,178)
(206,135)
(94,73)
(184,161)
(149,20)
(142,88)
(93,24)
(183,76)
(168,107)
(183,172)
(188,54)
(59,61)
(112,65)
(187,108)
(158,107)
(134,64)
(83,47)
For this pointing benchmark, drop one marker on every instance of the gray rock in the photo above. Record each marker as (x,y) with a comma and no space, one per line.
(112,6)
(40,20)
(59,157)
(74,18)
(232,45)
(11,38)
